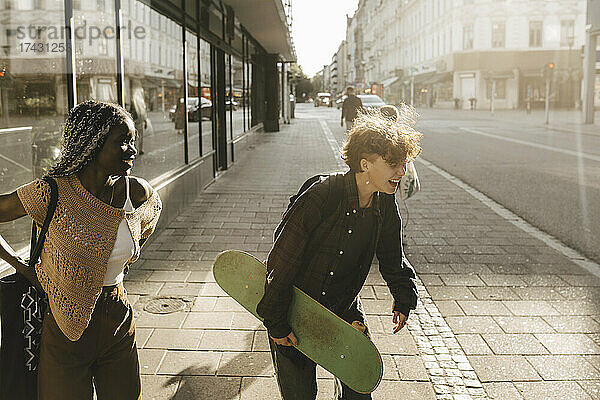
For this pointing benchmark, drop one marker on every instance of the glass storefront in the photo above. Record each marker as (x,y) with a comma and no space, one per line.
(33,98)
(206,94)
(237,97)
(197,107)
(153,86)
(47,66)
(95,51)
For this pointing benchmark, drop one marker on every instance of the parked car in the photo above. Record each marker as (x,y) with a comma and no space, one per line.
(323,99)
(231,104)
(204,111)
(172,112)
(371,101)
(340,102)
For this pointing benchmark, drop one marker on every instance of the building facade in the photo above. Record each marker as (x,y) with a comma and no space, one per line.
(220,66)
(449,53)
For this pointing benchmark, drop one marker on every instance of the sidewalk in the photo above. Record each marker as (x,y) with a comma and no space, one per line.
(501,314)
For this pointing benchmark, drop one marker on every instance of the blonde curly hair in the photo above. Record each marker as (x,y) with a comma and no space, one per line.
(377,133)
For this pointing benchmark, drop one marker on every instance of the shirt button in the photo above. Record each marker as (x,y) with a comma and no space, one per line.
(323,293)
(331,273)
(349,230)
(341,252)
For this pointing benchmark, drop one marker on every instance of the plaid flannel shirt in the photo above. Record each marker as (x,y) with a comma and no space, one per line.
(308,250)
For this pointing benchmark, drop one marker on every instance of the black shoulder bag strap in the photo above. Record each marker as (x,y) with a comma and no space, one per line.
(37,242)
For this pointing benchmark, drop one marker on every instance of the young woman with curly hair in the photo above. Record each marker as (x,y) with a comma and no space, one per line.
(102,218)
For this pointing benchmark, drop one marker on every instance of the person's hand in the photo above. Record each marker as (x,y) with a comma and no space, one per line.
(289,340)
(359,326)
(399,320)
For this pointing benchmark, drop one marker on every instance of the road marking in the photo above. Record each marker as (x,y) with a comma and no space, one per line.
(538,145)
(332,143)
(11,130)
(14,162)
(519,222)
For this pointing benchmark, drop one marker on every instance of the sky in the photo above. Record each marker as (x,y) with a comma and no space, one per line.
(318,28)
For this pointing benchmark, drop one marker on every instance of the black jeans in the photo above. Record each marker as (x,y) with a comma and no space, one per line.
(105,355)
(297,376)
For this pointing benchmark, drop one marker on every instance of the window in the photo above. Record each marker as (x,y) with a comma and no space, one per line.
(95,55)
(237,98)
(194,99)
(498,34)
(154,92)
(205,93)
(500,92)
(535,33)
(567,33)
(467,37)
(33,104)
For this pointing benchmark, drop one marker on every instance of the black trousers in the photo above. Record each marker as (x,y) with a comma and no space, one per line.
(105,356)
(297,376)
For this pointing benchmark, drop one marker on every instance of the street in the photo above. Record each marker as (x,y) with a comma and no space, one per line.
(550,178)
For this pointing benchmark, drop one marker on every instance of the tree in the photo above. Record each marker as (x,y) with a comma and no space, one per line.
(301,83)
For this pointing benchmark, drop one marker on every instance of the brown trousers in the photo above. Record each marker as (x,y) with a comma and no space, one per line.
(104,358)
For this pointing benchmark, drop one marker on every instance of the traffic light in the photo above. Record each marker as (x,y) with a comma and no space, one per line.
(548,71)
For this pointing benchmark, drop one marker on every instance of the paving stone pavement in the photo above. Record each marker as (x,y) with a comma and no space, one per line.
(501,315)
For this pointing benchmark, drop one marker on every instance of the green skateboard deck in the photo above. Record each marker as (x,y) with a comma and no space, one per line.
(322,336)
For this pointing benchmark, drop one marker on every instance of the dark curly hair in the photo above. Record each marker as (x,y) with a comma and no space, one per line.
(86,128)
(377,133)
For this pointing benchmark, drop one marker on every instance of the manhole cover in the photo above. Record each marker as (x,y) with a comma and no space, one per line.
(165,305)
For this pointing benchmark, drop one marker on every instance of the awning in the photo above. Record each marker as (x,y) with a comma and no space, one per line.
(499,75)
(389,81)
(438,78)
(266,21)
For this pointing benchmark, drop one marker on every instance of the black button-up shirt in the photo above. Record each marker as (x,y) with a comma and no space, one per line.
(310,248)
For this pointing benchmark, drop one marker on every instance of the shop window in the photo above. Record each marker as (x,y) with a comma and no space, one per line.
(198,108)
(500,92)
(237,96)
(154,91)
(33,102)
(95,55)
(207,98)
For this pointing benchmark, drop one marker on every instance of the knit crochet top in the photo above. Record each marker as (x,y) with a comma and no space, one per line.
(79,242)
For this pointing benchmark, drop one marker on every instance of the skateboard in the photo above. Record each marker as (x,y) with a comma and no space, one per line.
(322,336)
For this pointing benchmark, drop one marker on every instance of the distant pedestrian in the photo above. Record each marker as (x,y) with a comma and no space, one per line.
(102,218)
(180,116)
(352,105)
(139,114)
(328,256)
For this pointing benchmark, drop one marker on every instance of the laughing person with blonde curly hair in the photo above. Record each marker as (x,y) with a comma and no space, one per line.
(329,256)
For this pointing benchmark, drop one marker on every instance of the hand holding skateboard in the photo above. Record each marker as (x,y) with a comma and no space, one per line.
(289,340)
(400,320)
